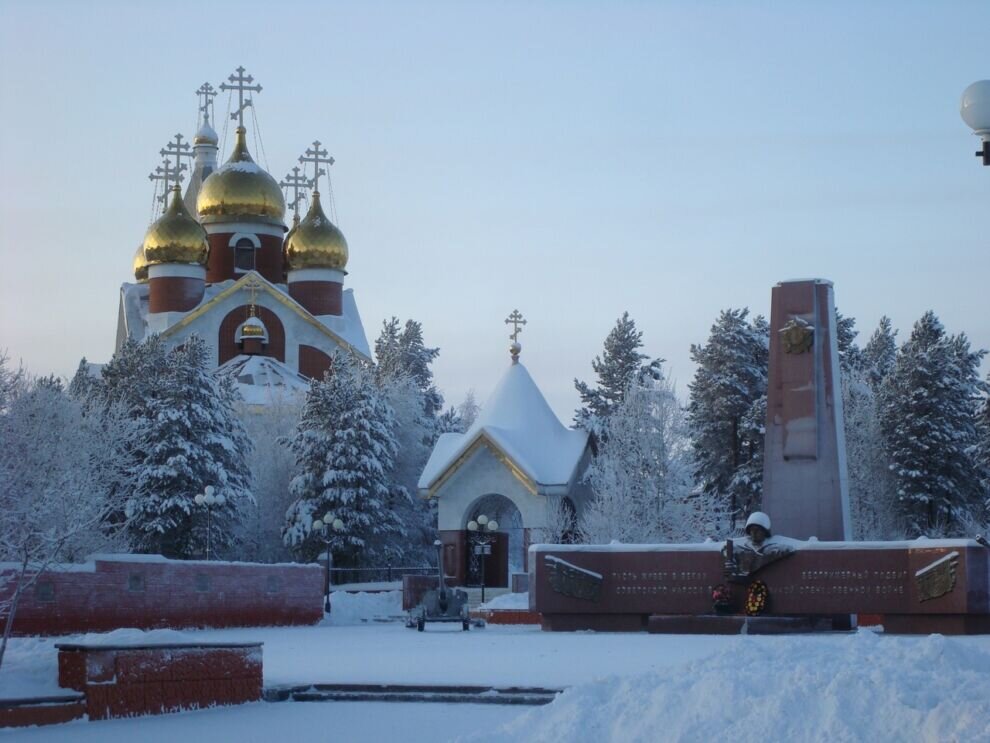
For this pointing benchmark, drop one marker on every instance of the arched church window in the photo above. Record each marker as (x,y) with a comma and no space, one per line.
(244,255)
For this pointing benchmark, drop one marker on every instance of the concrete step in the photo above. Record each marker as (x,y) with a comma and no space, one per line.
(411,693)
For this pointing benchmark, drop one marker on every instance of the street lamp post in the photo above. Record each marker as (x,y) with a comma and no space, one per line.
(325,529)
(207,499)
(975,111)
(482,538)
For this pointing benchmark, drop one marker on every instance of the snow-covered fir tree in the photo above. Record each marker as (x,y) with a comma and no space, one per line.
(404,353)
(730,380)
(193,437)
(188,436)
(641,476)
(928,406)
(344,449)
(880,353)
(619,366)
(850,355)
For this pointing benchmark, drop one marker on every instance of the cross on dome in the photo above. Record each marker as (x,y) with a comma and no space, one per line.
(299,183)
(241,83)
(316,155)
(206,93)
(178,149)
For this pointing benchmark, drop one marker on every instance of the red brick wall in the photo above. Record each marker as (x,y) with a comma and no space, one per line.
(268,259)
(174,293)
(227,337)
(313,363)
(122,682)
(319,297)
(167,593)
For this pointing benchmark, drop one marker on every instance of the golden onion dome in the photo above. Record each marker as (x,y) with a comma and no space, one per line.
(175,237)
(240,190)
(316,242)
(140,265)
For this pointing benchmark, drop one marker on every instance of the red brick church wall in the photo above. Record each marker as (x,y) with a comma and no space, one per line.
(148,591)
(313,363)
(227,338)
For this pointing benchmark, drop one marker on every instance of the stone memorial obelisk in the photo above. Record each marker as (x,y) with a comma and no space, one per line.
(804,472)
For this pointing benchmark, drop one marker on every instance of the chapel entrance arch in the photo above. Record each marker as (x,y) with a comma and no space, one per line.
(507,543)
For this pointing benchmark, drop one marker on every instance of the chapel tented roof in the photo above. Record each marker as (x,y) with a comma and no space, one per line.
(517,420)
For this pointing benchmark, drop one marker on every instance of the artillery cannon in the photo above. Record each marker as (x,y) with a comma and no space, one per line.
(441,604)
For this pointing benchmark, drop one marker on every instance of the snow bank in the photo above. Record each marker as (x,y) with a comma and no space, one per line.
(872,687)
(358,608)
(510,601)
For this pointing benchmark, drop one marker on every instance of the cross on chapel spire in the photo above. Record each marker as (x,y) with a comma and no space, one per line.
(316,155)
(169,175)
(241,83)
(515,320)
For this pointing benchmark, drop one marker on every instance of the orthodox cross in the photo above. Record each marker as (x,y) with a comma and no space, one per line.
(316,156)
(515,320)
(165,172)
(240,83)
(206,95)
(297,181)
(178,149)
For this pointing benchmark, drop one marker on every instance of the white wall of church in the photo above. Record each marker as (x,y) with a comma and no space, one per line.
(297,331)
(483,474)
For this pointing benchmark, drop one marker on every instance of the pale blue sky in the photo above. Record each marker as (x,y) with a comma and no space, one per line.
(571,159)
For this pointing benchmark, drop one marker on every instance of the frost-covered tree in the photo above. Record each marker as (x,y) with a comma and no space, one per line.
(414,434)
(983,447)
(272,467)
(61,483)
(191,438)
(880,353)
(730,378)
(404,353)
(747,480)
(850,355)
(928,406)
(872,500)
(641,476)
(344,448)
(619,366)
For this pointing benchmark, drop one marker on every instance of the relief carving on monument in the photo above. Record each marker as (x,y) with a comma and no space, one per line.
(571,580)
(797,335)
(937,579)
(744,557)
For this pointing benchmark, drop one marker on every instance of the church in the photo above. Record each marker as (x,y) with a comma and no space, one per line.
(220,262)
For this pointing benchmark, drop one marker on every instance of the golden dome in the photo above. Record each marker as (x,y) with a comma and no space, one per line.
(316,242)
(140,265)
(175,237)
(240,189)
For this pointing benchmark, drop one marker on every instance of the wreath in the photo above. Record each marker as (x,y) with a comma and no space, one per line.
(721,599)
(757,598)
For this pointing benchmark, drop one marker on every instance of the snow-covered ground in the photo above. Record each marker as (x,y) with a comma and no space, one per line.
(621,687)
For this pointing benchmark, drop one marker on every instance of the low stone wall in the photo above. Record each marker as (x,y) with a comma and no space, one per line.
(149,592)
(124,681)
(41,710)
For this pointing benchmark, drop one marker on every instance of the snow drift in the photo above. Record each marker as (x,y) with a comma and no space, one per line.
(869,688)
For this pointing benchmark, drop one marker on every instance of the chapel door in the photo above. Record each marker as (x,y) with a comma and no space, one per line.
(494,551)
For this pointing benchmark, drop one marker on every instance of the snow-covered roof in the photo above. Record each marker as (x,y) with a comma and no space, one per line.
(262,380)
(517,421)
